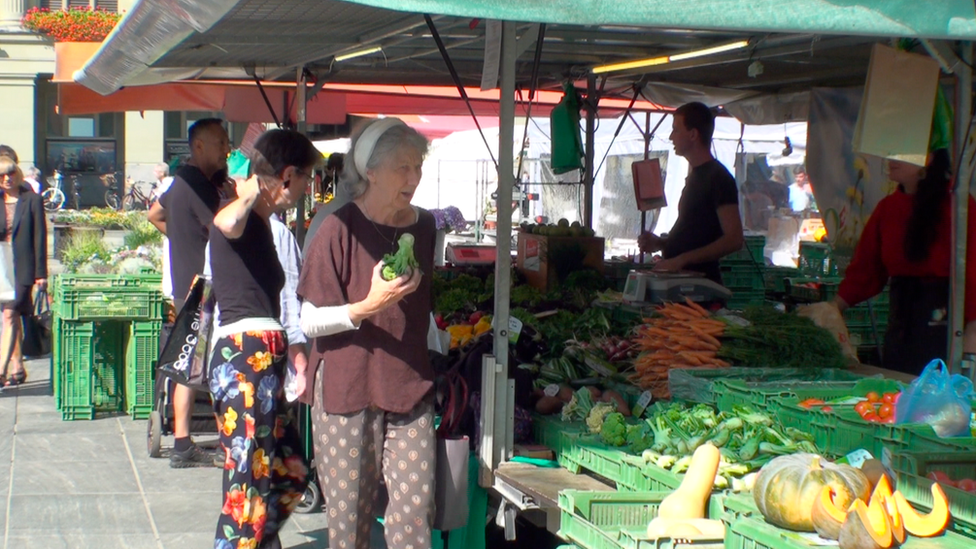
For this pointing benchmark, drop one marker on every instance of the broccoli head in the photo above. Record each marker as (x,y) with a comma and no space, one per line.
(614,430)
(403,261)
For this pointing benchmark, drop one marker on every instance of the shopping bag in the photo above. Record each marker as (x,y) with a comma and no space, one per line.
(451,465)
(185,358)
(8,290)
(37,328)
(939,399)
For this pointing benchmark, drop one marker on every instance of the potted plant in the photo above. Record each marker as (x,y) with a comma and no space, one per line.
(449,219)
(72,25)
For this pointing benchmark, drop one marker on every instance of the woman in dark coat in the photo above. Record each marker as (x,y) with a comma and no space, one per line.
(23,225)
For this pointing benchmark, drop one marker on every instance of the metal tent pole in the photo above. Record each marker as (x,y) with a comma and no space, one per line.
(498,415)
(590,148)
(964,176)
(302,100)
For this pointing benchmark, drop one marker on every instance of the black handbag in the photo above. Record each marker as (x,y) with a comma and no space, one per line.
(37,328)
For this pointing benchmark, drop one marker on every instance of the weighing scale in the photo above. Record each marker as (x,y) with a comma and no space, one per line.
(657,287)
(462,254)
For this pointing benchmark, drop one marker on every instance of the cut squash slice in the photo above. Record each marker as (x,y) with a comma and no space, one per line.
(867,527)
(827,517)
(924,526)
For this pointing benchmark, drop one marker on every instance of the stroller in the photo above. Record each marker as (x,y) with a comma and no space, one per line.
(161,419)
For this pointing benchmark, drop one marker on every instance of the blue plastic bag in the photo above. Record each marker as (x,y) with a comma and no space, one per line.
(938,399)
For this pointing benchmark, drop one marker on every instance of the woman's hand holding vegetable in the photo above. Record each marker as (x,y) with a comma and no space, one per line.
(384,294)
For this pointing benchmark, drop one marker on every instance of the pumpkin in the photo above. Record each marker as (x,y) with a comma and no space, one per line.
(827,516)
(788,486)
(874,470)
(867,527)
(924,526)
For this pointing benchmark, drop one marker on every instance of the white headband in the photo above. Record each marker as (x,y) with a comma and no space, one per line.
(367,141)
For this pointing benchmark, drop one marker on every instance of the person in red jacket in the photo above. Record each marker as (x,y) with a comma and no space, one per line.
(908,243)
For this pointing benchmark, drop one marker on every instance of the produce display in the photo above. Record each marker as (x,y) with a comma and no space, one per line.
(602,372)
(561,228)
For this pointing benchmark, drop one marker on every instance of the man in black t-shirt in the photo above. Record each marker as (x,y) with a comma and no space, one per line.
(184,214)
(709,226)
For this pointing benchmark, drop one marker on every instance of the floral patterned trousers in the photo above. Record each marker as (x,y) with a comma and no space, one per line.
(265,474)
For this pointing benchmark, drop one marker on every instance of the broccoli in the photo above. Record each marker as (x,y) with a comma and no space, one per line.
(639,438)
(600,411)
(403,261)
(614,430)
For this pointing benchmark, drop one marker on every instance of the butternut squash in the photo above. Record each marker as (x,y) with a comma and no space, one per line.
(925,526)
(690,499)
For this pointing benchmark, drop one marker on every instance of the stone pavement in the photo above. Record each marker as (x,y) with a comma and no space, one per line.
(91,484)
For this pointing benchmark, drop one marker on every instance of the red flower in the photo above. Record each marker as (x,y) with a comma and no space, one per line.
(234,504)
(73,25)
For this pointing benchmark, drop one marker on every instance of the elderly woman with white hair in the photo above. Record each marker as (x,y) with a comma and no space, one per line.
(370,380)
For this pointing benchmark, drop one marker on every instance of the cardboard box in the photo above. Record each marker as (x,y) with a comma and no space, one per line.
(545,260)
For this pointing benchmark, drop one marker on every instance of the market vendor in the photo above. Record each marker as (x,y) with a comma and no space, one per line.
(709,226)
(907,243)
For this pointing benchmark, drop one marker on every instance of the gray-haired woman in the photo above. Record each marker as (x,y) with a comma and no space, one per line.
(370,379)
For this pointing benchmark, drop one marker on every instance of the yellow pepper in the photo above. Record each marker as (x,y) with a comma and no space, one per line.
(483,325)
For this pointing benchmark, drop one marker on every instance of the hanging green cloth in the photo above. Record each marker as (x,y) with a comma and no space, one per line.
(564,123)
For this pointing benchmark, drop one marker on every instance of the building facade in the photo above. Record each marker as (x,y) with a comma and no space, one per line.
(125,144)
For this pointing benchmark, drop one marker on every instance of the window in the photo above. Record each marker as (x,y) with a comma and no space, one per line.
(81,126)
(110,5)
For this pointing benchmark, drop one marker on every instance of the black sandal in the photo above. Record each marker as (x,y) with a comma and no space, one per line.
(17,378)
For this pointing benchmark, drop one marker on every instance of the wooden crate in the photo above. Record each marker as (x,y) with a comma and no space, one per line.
(545,260)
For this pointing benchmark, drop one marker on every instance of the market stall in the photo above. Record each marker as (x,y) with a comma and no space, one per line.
(753,412)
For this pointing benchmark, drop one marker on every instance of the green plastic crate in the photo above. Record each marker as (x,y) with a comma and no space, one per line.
(759,394)
(774,278)
(702,384)
(751,252)
(911,469)
(98,297)
(90,368)
(842,431)
(637,476)
(746,277)
(618,520)
(742,299)
(560,437)
(752,533)
(142,351)
(815,259)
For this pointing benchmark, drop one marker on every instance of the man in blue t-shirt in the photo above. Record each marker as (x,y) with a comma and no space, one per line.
(709,226)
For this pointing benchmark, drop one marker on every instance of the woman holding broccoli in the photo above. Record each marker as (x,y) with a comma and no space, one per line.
(370,382)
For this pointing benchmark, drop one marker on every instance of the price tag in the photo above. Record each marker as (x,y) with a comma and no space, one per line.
(856,458)
(642,402)
(551,390)
(514,329)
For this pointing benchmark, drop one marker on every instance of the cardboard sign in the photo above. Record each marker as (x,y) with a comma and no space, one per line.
(895,119)
(648,184)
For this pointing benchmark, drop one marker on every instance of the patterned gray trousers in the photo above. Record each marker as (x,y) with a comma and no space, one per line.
(353,450)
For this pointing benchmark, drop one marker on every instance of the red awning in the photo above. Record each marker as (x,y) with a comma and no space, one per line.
(242,101)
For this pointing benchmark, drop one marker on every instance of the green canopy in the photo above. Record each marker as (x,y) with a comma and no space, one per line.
(949,19)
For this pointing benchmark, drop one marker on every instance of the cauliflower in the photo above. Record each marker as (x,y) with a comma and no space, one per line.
(596,416)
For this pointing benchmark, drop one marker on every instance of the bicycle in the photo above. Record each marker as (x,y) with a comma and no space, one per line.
(111,195)
(53,196)
(136,197)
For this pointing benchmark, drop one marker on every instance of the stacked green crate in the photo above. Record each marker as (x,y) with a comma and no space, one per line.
(743,273)
(106,342)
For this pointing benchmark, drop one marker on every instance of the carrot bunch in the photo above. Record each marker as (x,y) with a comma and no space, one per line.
(683,336)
